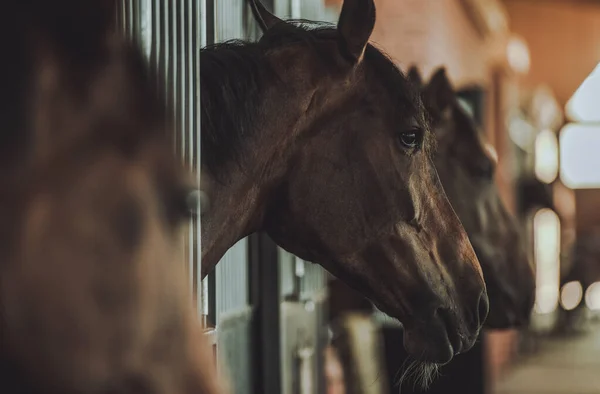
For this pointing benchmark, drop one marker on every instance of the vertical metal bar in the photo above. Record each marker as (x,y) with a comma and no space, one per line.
(156,42)
(190,56)
(269,347)
(135,22)
(171,33)
(124,19)
(166,69)
(145,25)
(296,9)
(201,12)
(216,19)
(129,20)
(183,79)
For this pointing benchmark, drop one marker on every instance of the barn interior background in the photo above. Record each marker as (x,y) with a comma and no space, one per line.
(526,70)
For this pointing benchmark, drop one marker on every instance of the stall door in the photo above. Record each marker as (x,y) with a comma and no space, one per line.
(171,34)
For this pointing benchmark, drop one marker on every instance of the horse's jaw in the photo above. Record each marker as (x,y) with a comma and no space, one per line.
(234,211)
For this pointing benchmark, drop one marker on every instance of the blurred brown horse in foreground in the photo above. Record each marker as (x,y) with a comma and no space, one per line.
(92,199)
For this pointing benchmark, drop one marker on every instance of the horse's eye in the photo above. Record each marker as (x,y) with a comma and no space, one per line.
(411,139)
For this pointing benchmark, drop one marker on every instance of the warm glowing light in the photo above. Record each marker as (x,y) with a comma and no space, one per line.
(546,243)
(522,133)
(583,105)
(491,151)
(580,156)
(592,297)
(546,156)
(564,201)
(517,54)
(571,295)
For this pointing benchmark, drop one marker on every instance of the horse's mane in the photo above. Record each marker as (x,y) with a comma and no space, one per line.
(234,75)
(232,78)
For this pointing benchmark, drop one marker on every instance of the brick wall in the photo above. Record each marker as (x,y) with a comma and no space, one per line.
(430,33)
(564,41)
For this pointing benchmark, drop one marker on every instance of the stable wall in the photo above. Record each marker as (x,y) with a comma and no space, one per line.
(431,33)
(564,41)
(563,38)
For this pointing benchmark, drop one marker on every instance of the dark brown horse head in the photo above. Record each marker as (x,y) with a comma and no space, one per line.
(466,165)
(93,297)
(333,162)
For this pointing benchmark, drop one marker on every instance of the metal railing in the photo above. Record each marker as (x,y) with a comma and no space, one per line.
(171,34)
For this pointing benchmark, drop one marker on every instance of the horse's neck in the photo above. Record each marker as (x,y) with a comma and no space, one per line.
(237,205)
(234,212)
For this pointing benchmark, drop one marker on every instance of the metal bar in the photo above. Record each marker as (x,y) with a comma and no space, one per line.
(174,69)
(268,347)
(129,20)
(166,69)
(156,43)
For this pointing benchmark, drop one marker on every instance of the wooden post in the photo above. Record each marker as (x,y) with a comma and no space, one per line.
(358,342)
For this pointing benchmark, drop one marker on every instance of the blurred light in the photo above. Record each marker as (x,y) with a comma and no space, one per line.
(517,54)
(546,156)
(496,20)
(564,201)
(592,297)
(466,106)
(583,105)
(522,133)
(580,156)
(545,109)
(491,152)
(546,244)
(571,295)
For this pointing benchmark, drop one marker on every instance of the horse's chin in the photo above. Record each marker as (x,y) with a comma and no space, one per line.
(421,373)
(434,342)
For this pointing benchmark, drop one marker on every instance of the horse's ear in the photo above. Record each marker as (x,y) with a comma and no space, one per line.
(440,93)
(263,17)
(414,76)
(356,23)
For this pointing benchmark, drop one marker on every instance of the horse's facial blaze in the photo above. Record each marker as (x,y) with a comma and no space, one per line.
(466,167)
(360,196)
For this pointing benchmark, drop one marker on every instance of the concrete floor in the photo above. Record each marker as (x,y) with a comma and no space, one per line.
(562,366)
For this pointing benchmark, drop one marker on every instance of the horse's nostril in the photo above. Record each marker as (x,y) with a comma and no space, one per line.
(483,308)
